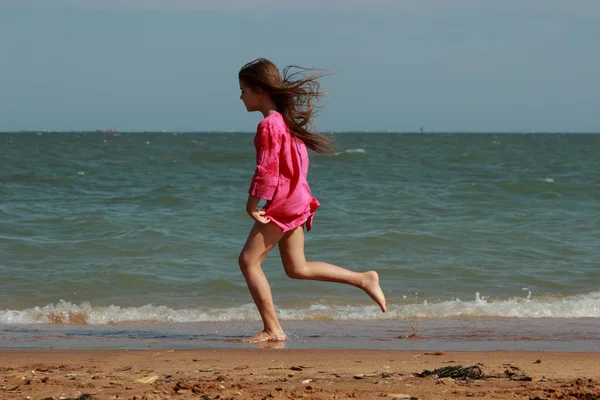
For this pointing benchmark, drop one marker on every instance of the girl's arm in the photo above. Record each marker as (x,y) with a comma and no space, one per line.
(266,176)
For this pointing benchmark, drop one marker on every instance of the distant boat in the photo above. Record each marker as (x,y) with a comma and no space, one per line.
(421,131)
(112,130)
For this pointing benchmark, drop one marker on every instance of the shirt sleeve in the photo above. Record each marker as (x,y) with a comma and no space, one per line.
(266,176)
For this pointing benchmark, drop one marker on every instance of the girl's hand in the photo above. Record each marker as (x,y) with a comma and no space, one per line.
(254,212)
(258,216)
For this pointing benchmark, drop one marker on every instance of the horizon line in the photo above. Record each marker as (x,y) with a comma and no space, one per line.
(373,131)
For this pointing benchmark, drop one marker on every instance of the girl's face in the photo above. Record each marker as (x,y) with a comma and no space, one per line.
(252,98)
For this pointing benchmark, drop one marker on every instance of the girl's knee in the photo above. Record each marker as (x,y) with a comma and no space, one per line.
(296,272)
(244,261)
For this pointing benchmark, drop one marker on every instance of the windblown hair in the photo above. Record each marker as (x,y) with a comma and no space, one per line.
(295,96)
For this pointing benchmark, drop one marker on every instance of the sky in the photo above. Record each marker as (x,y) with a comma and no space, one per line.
(397,65)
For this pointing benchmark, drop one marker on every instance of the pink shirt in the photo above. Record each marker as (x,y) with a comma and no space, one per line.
(280,176)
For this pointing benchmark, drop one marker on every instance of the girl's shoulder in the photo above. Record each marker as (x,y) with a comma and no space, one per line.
(273,122)
(272,118)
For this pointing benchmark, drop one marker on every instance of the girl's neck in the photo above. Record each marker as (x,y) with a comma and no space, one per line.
(269,112)
(268,108)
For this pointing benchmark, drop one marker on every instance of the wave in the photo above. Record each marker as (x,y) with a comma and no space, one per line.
(351,151)
(63,312)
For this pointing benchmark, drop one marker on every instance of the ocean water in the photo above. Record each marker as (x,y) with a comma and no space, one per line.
(145,228)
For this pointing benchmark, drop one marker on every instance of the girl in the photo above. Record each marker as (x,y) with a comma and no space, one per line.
(281,145)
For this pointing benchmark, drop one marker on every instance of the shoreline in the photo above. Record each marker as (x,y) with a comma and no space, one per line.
(458,334)
(292,373)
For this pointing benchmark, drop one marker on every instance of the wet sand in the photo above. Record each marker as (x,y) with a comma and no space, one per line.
(454,334)
(271,373)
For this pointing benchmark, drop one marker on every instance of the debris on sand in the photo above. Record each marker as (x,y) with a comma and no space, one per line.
(455,372)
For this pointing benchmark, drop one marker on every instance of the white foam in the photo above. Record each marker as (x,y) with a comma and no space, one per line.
(351,151)
(584,305)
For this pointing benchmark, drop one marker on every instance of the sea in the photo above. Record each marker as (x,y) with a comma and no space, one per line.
(130,240)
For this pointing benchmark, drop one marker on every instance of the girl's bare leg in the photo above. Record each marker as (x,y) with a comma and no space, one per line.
(261,240)
(291,249)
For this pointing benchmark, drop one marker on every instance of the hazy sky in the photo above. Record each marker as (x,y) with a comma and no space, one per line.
(446,65)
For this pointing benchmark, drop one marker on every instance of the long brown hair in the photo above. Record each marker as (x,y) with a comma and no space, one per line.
(295,95)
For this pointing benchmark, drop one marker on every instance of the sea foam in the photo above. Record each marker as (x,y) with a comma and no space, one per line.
(351,151)
(63,312)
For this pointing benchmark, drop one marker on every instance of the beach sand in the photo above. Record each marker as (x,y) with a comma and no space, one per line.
(270,373)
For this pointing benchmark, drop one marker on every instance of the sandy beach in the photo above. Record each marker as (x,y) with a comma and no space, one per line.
(271,373)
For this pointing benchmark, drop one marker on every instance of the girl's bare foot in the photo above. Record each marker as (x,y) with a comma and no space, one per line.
(266,337)
(371,286)
(271,345)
